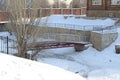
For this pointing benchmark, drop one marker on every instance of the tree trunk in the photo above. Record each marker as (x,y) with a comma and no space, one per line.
(22,49)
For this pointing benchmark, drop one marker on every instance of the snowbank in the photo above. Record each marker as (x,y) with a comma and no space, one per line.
(13,68)
(104,74)
(73,22)
(78,21)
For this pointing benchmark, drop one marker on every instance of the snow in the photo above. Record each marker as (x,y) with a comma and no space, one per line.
(4,44)
(79,21)
(104,74)
(65,64)
(13,68)
(90,64)
(4,34)
(74,22)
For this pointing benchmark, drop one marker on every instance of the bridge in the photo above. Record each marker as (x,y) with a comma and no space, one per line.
(69,32)
(64,35)
(51,37)
(58,36)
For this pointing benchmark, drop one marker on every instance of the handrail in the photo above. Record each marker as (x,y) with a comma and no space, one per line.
(77,27)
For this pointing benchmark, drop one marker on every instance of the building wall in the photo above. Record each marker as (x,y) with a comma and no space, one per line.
(47,11)
(95,7)
(3,16)
(103,13)
(61,34)
(104,10)
(83,11)
(3,19)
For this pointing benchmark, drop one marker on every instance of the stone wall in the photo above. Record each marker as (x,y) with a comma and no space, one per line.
(61,34)
(101,41)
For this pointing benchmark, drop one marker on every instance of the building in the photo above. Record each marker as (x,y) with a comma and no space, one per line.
(103,8)
(42,12)
(3,20)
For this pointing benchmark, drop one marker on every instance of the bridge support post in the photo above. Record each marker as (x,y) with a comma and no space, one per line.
(80,47)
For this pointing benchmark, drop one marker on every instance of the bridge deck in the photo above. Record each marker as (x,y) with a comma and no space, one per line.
(53,44)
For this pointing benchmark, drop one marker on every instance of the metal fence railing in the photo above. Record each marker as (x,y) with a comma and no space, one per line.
(77,27)
(7,45)
(107,29)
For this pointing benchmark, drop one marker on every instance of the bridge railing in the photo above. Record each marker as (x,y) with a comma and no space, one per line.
(107,29)
(64,37)
(71,32)
(101,28)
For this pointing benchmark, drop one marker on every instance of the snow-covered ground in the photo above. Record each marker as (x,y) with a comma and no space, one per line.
(90,64)
(13,68)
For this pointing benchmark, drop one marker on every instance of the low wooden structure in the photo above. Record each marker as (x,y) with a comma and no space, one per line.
(103,8)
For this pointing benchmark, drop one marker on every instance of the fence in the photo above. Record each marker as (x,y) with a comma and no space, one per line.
(42,12)
(7,45)
(100,28)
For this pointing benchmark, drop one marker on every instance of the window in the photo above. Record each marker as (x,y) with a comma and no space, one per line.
(115,2)
(96,2)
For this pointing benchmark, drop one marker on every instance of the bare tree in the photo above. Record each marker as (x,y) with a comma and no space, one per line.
(22,22)
(45,4)
(78,3)
(2,5)
(59,4)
